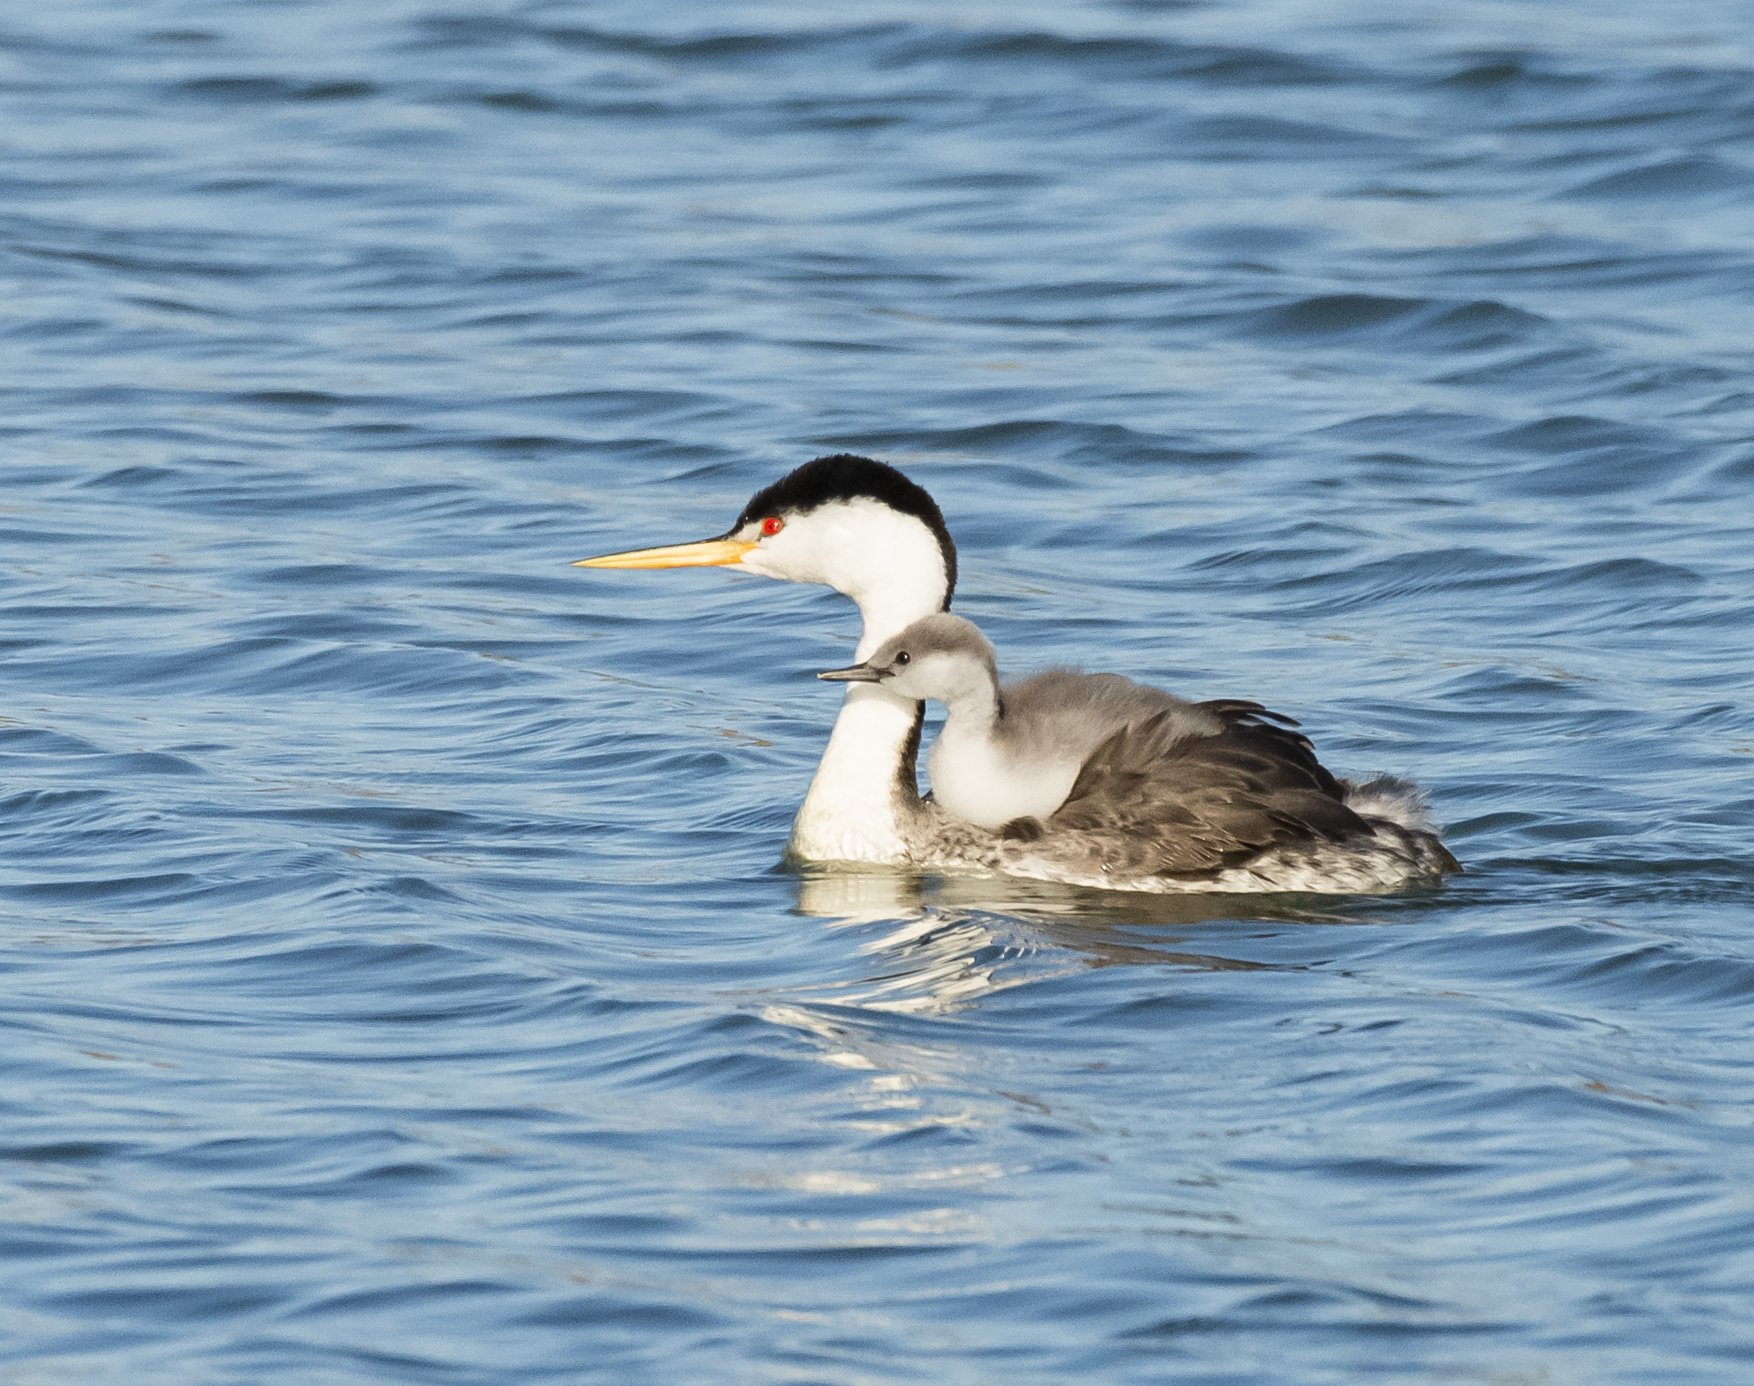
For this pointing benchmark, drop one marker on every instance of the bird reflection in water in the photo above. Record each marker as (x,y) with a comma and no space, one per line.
(942,943)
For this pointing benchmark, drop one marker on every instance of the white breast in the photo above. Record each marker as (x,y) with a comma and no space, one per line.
(974,780)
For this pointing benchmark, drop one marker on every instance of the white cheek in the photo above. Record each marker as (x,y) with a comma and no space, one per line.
(810,552)
(888,563)
(758,560)
(793,558)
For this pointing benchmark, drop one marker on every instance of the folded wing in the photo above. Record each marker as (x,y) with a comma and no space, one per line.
(1154,799)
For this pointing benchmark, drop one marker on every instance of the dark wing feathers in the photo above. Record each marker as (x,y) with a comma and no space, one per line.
(1161,802)
(1242,707)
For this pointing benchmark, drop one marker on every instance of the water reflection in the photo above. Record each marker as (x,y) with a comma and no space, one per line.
(939,944)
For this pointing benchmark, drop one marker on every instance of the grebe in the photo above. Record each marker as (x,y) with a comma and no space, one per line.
(1215,796)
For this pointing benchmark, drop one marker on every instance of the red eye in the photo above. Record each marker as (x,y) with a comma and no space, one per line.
(771,526)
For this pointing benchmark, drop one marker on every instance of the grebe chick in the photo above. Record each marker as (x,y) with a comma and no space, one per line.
(1010,753)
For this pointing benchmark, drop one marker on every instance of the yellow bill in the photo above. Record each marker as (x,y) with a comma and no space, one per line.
(708,553)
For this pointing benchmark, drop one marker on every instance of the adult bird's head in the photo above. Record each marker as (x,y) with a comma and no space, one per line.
(850,523)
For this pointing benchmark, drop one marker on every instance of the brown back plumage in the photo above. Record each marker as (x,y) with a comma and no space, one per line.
(1157,801)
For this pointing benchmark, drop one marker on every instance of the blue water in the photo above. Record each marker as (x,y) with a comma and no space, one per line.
(400,985)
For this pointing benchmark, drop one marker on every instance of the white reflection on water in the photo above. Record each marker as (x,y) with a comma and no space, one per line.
(938,945)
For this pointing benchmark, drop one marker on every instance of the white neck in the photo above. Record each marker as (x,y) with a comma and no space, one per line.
(853,809)
(856,804)
(973,708)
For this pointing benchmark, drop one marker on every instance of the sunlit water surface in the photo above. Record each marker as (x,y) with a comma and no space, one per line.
(401,985)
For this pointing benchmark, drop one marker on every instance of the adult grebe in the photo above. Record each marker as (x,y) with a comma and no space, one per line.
(1225,802)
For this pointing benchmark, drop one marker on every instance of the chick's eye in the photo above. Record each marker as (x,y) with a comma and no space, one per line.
(903,657)
(771,526)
